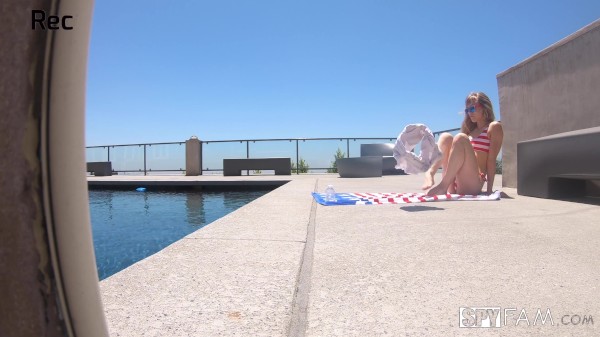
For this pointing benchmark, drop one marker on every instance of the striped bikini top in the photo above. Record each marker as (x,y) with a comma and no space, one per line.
(481,142)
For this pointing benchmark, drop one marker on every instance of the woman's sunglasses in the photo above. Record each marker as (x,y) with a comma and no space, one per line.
(470,109)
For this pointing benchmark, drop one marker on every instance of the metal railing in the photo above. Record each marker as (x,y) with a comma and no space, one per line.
(124,156)
(306,153)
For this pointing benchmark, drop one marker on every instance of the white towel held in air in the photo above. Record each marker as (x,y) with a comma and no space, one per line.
(408,161)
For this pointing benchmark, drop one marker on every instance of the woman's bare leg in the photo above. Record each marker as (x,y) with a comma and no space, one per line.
(462,167)
(444,144)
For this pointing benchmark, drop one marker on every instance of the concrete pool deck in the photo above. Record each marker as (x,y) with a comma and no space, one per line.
(285,266)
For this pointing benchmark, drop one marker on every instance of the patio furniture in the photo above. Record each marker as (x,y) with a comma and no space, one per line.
(375,160)
(100,168)
(563,165)
(360,167)
(234,167)
(386,152)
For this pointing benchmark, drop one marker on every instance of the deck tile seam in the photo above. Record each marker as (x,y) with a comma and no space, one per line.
(233,239)
(299,315)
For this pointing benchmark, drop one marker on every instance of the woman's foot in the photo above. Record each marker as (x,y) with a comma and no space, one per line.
(429,181)
(437,190)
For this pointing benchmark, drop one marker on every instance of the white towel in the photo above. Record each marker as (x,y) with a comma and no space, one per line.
(408,161)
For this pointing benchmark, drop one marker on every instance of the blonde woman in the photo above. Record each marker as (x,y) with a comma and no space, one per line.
(469,158)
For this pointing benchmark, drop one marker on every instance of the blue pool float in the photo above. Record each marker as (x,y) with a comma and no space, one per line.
(141,189)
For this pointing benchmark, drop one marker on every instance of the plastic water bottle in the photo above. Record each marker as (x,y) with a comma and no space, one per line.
(330,193)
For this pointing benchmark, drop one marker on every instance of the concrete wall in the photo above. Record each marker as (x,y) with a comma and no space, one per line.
(556,90)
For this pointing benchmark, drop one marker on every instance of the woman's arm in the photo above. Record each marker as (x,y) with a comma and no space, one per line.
(496,135)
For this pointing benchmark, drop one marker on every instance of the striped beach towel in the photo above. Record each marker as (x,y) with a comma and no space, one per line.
(397,198)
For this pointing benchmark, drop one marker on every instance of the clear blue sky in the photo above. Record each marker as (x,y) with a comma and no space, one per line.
(162,71)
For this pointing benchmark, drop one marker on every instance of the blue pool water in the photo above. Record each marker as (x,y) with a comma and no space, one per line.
(128,226)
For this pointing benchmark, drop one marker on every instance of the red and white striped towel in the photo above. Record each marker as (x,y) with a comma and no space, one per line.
(406,198)
(397,198)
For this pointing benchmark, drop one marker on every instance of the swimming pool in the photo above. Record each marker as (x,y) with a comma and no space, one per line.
(128,226)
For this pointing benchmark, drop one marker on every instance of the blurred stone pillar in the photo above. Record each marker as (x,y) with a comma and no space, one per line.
(28,285)
(193,157)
